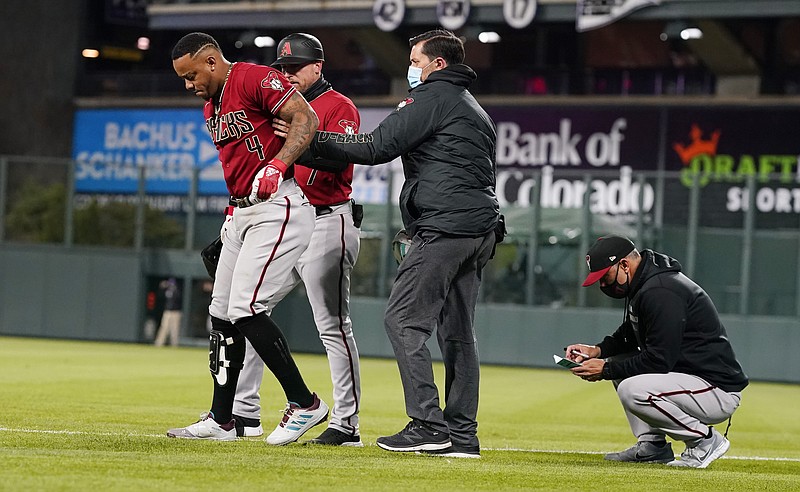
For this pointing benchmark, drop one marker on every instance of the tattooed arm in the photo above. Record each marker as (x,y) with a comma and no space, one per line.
(303,123)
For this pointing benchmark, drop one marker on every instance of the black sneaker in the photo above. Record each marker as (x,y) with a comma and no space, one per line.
(335,437)
(455,451)
(247,427)
(415,437)
(644,452)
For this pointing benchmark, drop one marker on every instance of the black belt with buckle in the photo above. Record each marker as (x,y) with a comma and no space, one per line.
(327,209)
(323,210)
(243,202)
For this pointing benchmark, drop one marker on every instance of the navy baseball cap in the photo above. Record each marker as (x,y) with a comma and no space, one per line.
(605,253)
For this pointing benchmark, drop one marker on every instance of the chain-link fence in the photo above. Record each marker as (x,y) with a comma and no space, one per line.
(742,247)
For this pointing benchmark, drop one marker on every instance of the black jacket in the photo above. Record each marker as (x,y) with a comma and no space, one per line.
(675,326)
(447,144)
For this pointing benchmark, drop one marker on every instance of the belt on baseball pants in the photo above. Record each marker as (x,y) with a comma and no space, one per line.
(243,202)
(327,209)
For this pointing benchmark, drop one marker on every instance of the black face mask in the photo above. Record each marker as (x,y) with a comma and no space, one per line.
(617,290)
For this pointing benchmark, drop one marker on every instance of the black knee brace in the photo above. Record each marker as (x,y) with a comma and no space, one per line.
(226,350)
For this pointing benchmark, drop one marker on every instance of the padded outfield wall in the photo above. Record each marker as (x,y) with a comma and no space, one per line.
(92,294)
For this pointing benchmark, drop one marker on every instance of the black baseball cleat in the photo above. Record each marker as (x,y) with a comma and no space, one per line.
(335,437)
(247,427)
(645,452)
(415,437)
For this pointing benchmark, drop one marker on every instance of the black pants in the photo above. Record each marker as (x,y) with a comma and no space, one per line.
(436,288)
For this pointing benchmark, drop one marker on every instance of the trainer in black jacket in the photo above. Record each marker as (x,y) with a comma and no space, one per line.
(449,207)
(447,144)
(675,325)
(670,360)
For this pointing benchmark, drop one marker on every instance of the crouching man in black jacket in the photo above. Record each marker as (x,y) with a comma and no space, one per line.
(683,375)
(449,208)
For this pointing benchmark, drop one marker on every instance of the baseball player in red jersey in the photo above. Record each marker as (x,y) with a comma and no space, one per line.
(268,228)
(326,265)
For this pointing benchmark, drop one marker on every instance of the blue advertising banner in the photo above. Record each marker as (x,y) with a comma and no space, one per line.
(109,146)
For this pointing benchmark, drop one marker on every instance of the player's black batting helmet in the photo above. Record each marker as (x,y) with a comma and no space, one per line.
(299,48)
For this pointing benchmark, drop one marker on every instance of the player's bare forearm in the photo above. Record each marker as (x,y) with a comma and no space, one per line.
(303,124)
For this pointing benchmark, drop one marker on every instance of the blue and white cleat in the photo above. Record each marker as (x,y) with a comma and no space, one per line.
(297,421)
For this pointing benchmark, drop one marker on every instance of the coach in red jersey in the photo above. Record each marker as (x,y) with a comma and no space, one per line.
(326,266)
(269,227)
(300,58)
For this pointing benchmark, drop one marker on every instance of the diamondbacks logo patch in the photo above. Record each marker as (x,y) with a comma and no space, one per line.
(272,81)
(349,127)
(405,102)
(286,49)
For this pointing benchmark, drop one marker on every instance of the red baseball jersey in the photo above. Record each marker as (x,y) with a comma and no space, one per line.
(241,127)
(338,114)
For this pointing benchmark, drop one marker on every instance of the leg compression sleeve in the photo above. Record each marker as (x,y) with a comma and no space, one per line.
(270,344)
(226,358)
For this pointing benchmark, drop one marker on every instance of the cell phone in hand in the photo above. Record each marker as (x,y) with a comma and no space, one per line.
(569,364)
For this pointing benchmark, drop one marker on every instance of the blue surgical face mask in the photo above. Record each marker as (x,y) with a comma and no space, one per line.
(415,74)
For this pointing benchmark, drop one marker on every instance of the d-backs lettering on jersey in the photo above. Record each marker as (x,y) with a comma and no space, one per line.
(242,127)
(338,114)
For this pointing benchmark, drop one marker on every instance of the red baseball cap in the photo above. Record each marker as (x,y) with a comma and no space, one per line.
(605,253)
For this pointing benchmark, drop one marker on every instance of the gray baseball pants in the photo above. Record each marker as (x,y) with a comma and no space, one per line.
(436,288)
(681,406)
(325,269)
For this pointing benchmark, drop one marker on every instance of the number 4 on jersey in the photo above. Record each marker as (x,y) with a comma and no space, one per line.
(254,145)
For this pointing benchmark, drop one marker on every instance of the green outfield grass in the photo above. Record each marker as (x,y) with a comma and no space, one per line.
(93,416)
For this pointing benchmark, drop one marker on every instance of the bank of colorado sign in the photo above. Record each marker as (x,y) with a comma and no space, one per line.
(565,146)
(719,148)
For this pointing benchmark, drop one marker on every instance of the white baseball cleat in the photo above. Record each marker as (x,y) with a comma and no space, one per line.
(704,452)
(297,421)
(206,428)
(248,427)
(256,431)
